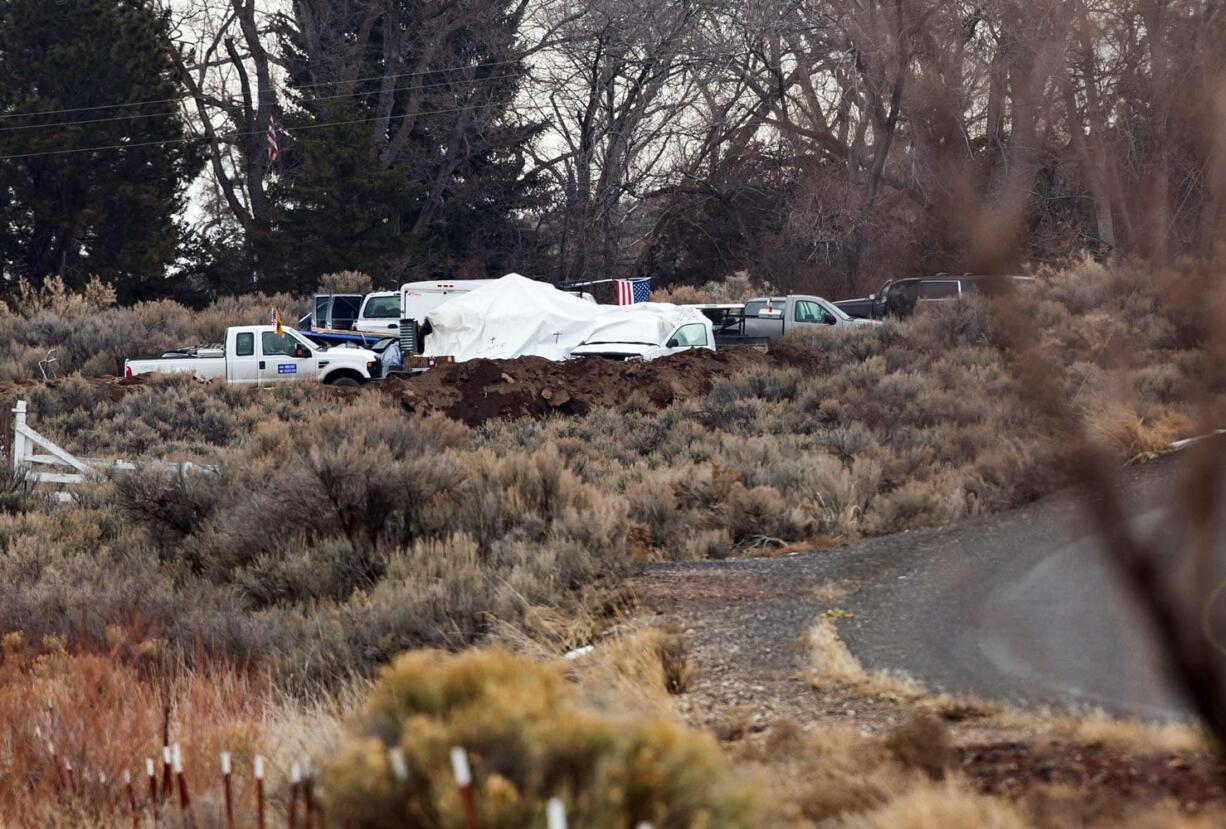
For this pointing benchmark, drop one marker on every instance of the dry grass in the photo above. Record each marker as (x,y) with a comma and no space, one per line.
(1103,729)
(1133,436)
(104,716)
(834,665)
(948,806)
(637,671)
(831,592)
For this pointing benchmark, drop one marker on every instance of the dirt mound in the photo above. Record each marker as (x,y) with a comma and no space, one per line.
(481,390)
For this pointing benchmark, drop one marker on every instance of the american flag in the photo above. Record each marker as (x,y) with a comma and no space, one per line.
(630,291)
(274,151)
(274,318)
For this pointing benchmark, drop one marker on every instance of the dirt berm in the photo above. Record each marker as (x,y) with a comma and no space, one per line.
(481,390)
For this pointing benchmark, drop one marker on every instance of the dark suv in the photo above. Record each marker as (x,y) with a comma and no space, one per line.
(899,297)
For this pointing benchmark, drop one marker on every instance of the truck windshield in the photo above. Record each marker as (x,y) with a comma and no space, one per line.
(382,307)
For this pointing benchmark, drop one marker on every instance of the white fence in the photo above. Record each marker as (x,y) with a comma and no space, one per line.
(41,461)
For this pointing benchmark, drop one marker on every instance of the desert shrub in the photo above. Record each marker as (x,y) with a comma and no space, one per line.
(392,532)
(736,288)
(917,504)
(17,493)
(346,282)
(92,337)
(336,530)
(962,322)
(527,740)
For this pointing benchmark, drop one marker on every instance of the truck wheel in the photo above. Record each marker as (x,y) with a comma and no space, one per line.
(344,383)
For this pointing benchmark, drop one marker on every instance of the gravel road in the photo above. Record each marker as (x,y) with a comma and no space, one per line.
(1017,606)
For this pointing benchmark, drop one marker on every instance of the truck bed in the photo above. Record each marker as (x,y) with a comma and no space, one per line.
(205,368)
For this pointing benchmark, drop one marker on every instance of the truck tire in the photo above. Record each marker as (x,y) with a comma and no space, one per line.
(344,383)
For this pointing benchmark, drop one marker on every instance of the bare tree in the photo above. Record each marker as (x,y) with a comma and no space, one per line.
(616,88)
(227,64)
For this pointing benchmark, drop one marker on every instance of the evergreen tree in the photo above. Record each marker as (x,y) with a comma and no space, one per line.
(67,69)
(407,156)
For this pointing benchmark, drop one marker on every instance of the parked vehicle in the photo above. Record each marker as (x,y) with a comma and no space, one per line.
(380,314)
(417,299)
(519,317)
(860,308)
(258,355)
(334,312)
(901,297)
(646,336)
(766,320)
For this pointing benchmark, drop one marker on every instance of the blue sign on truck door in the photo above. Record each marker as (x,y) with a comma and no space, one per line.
(287,368)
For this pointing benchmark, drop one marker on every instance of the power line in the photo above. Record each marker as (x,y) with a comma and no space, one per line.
(231,135)
(131,116)
(6,116)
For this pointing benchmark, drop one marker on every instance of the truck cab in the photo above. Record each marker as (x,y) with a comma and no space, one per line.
(772,317)
(261,355)
(379,314)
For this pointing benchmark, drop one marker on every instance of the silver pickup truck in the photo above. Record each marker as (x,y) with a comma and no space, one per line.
(766,320)
(258,355)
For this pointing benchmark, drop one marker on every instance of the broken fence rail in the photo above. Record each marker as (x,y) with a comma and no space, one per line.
(41,461)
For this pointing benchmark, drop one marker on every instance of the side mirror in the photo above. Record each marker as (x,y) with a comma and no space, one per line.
(301,351)
(672,343)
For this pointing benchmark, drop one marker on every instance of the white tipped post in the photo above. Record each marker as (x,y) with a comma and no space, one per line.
(464,781)
(295,785)
(555,814)
(185,800)
(459,765)
(130,792)
(227,789)
(151,771)
(259,791)
(398,762)
(167,773)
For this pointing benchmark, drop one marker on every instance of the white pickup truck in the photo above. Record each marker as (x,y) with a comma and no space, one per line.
(257,355)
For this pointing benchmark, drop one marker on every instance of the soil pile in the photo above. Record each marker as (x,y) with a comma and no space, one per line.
(481,390)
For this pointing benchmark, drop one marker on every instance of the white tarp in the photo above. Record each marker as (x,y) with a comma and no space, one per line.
(515,317)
